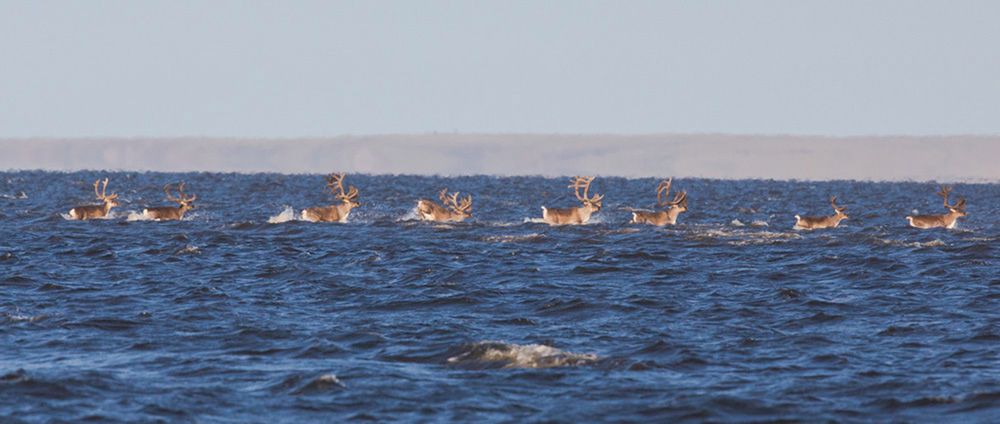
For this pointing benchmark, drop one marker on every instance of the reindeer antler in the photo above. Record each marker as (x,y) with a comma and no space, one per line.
(181,197)
(945,191)
(584,183)
(352,193)
(452,201)
(336,184)
(663,190)
(679,199)
(102,195)
(833,202)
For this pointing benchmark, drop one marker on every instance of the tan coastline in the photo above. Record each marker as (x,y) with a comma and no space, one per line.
(881,158)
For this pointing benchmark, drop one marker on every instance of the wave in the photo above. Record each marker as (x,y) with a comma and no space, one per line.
(487,354)
(912,244)
(19,196)
(512,238)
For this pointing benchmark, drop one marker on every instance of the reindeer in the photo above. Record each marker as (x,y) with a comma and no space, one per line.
(452,210)
(96,211)
(817,222)
(664,217)
(170,213)
(334,213)
(575,216)
(948,220)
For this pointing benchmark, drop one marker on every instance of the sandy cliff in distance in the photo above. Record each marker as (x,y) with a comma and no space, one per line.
(943,158)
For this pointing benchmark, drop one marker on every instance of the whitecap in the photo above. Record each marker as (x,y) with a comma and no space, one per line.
(189,250)
(520,356)
(513,238)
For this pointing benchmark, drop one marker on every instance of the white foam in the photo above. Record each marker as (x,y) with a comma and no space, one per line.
(758,223)
(19,195)
(329,379)
(914,244)
(737,223)
(513,238)
(189,250)
(285,216)
(411,215)
(138,216)
(19,317)
(534,221)
(522,356)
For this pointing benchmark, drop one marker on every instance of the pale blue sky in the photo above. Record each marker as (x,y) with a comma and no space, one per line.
(301,68)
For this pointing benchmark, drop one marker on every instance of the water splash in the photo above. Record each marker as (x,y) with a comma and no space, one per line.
(286,215)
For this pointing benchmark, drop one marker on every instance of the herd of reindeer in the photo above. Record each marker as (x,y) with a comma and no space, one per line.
(454,209)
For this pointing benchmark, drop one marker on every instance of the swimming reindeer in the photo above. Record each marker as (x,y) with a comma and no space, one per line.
(818,222)
(170,213)
(575,216)
(96,211)
(334,213)
(450,209)
(664,217)
(948,220)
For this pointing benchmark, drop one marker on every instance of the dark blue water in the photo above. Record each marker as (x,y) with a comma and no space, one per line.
(227,317)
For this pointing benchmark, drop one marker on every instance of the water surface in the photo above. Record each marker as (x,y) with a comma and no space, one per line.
(728,316)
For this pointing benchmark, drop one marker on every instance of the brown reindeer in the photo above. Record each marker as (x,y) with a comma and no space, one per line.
(665,217)
(96,211)
(817,222)
(948,220)
(450,209)
(170,213)
(334,213)
(575,216)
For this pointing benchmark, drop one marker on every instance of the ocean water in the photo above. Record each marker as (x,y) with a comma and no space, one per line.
(241,313)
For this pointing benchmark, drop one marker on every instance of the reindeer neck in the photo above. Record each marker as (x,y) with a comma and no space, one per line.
(673,213)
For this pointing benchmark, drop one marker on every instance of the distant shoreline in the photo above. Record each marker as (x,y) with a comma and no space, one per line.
(961,158)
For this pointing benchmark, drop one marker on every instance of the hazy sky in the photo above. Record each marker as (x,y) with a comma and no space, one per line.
(301,68)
